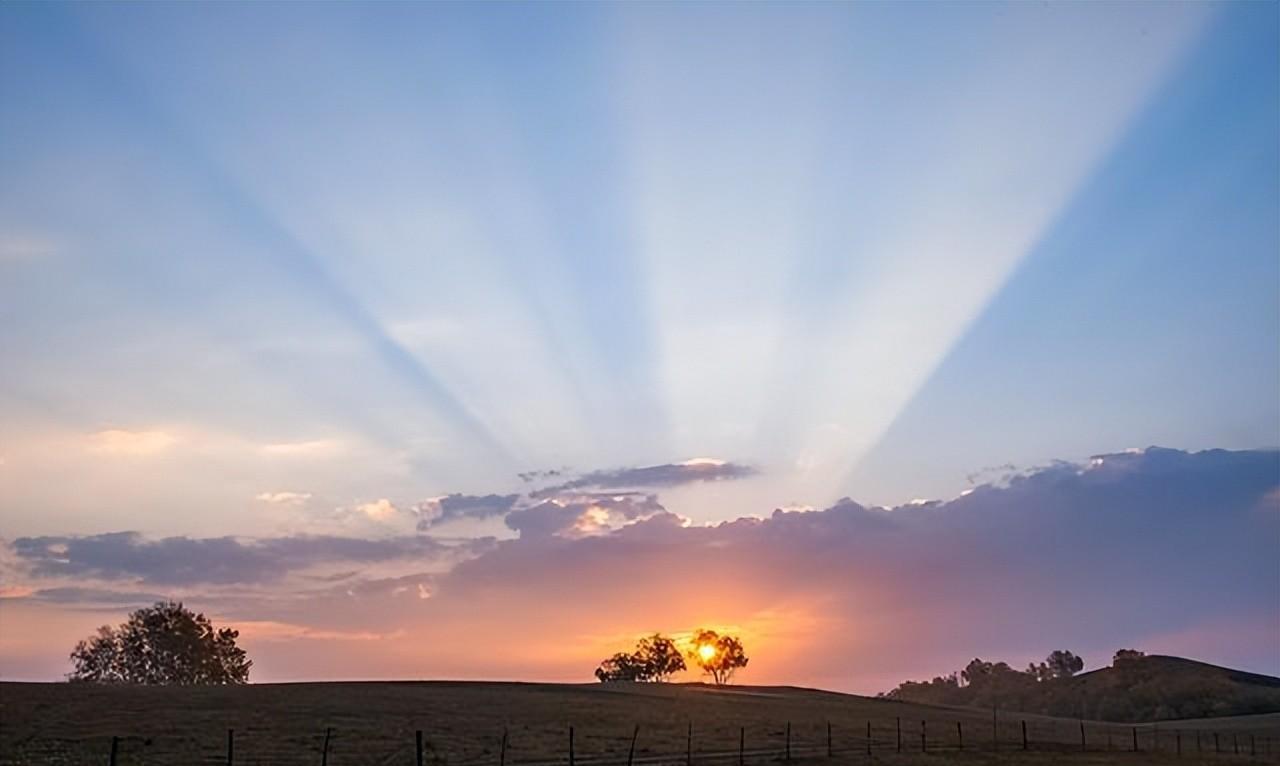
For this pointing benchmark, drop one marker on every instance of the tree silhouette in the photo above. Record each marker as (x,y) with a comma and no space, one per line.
(718,656)
(1063,664)
(660,656)
(161,644)
(656,658)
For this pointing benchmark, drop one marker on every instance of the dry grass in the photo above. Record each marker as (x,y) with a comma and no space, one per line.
(463,724)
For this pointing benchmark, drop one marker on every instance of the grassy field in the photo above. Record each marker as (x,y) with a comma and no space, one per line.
(463,725)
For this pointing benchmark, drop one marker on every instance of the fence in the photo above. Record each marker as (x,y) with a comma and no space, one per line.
(719,745)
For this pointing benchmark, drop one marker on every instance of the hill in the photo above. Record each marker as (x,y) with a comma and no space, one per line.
(1137,689)
(465,724)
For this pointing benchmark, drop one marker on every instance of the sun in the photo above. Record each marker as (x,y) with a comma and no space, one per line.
(706,652)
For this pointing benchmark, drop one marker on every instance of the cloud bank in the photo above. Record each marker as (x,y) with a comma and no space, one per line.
(1154,549)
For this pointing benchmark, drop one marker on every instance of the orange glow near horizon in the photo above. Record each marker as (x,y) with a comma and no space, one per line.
(706,652)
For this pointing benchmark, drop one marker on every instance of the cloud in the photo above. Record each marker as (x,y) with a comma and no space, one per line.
(283,498)
(117,441)
(660,476)
(440,510)
(378,510)
(215,561)
(583,515)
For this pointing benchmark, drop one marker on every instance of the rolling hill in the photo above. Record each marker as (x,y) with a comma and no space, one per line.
(1141,689)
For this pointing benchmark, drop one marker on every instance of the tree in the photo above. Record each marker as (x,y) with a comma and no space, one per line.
(1125,655)
(1063,664)
(656,658)
(718,656)
(660,657)
(161,644)
(621,667)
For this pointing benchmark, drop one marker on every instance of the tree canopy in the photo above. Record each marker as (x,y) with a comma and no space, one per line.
(161,644)
(718,656)
(656,658)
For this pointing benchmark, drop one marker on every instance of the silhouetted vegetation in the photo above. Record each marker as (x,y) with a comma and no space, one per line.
(162,644)
(656,659)
(1135,688)
(718,656)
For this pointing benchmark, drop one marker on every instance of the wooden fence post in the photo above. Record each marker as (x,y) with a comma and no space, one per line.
(417,746)
(960,736)
(570,745)
(1235,742)
(115,747)
(1024,734)
(1217,748)
(788,753)
(502,749)
(899,734)
(1197,740)
(828,739)
(1177,741)
(1253,745)
(231,746)
(1084,745)
(924,743)
(324,754)
(688,745)
(631,753)
(995,730)
(868,737)
(742,744)
(1135,739)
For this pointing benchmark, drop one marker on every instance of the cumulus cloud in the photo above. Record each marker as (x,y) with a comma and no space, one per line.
(583,515)
(381,509)
(656,476)
(217,560)
(440,510)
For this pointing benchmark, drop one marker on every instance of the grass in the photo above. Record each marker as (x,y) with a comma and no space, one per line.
(463,725)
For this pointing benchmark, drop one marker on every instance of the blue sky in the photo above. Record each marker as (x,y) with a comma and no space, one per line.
(277,267)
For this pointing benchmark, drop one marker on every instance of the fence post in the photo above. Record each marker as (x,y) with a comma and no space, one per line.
(924,743)
(995,731)
(788,741)
(631,753)
(899,734)
(868,737)
(231,746)
(828,739)
(324,754)
(1253,745)
(1177,741)
(742,744)
(115,746)
(960,736)
(1217,748)
(1235,742)
(570,745)
(1024,734)
(1197,740)
(417,749)
(1084,745)
(502,749)
(688,745)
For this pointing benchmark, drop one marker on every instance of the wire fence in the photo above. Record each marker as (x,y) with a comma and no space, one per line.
(716,745)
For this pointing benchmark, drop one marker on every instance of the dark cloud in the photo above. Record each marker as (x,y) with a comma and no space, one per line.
(101,596)
(217,561)
(1131,548)
(454,507)
(583,515)
(664,475)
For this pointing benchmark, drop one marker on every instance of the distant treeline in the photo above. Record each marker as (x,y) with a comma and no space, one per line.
(1136,688)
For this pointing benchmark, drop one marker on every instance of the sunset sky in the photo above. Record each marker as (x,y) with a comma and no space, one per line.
(474,341)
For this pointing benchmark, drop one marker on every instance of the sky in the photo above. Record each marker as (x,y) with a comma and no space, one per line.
(904,332)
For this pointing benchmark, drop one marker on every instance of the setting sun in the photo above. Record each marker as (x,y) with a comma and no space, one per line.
(706,652)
